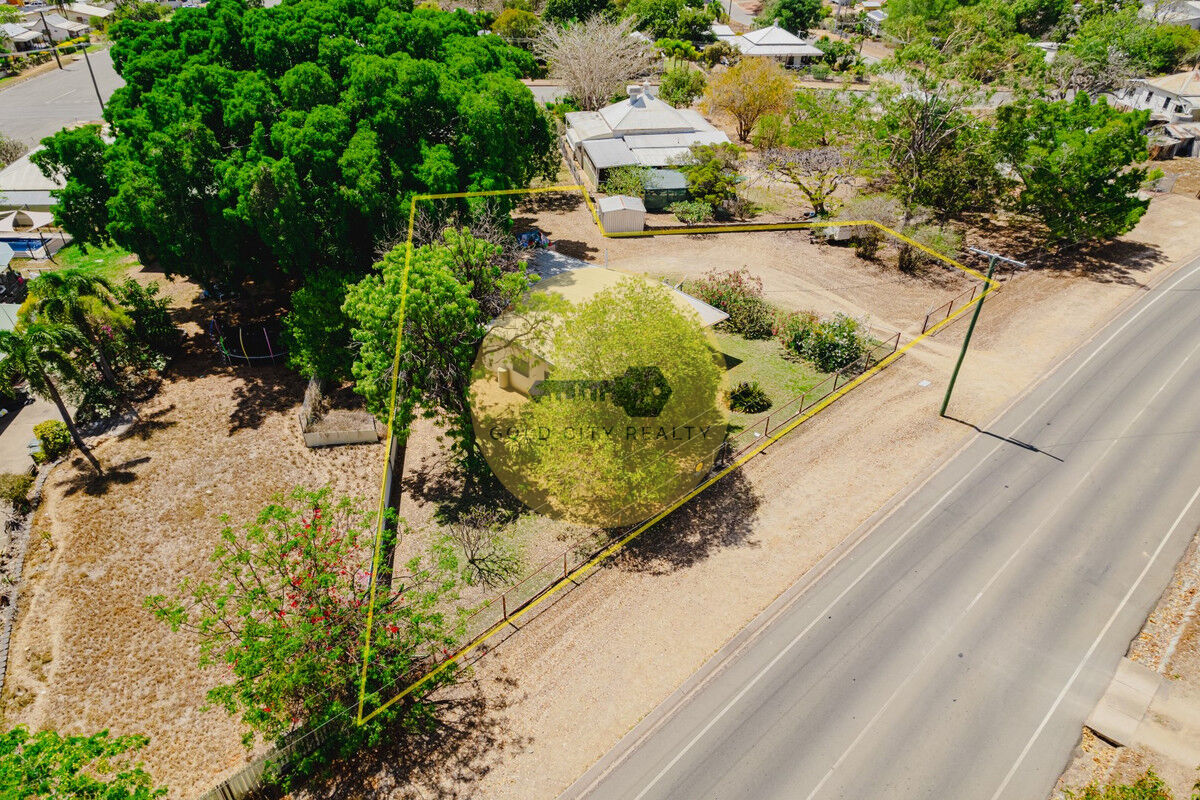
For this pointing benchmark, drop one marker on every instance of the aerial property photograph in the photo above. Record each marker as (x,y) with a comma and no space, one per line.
(600,399)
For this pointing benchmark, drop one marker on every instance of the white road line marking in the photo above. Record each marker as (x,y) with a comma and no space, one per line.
(1095,643)
(1003,567)
(59,97)
(1162,292)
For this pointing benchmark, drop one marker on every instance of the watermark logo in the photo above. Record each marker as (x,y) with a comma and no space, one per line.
(604,406)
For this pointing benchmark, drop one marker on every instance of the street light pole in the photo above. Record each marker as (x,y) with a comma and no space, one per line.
(993,258)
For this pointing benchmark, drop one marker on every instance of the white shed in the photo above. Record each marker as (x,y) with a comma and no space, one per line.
(622,214)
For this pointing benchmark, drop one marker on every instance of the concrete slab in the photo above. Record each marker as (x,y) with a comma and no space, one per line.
(16,430)
(1125,702)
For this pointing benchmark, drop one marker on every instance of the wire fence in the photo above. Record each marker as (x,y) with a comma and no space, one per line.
(965,297)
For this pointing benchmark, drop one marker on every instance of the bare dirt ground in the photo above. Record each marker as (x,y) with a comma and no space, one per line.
(798,274)
(554,697)
(85,655)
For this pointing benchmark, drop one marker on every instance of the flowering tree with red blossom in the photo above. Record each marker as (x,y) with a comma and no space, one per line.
(285,613)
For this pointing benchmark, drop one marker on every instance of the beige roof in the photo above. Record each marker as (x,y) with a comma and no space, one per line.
(1183,84)
(773,41)
(89,11)
(22,174)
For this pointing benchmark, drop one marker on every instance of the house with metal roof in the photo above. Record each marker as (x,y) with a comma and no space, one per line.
(774,42)
(640,131)
(62,28)
(1170,98)
(18,37)
(1172,12)
(93,16)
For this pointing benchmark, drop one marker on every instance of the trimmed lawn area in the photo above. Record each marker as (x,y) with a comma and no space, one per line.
(111,262)
(781,376)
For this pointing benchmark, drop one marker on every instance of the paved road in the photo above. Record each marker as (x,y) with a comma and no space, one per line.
(40,106)
(956,650)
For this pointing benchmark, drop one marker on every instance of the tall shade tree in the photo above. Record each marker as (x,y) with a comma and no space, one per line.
(259,143)
(455,287)
(1078,166)
(42,354)
(797,16)
(748,90)
(286,609)
(48,766)
(76,158)
(595,59)
(83,300)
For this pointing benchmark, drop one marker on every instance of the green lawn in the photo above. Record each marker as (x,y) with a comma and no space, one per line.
(764,360)
(110,262)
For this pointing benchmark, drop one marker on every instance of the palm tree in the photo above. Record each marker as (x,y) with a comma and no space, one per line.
(37,354)
(80,299)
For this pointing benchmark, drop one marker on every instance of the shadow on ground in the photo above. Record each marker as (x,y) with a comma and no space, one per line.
(473,734)
(720,517)
(85,480)
(438,481)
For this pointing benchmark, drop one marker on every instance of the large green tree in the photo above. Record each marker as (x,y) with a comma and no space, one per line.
(1078,166)
(251,141)
(454,288)
(797,16)
(48,766)
(76,157)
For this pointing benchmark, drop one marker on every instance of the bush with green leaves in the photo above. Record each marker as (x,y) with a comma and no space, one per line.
(681,86)
(47,765)
(738,294)
(153,336)
(829,344)
(677,49)
(316,332)
(1148,787)
(691,212)
(712,173)
(749,398)
(629,181)
(940,239)
(721,52)
(14,487)
(53,437)
(514,23)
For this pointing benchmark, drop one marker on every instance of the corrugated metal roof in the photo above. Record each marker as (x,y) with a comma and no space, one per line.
(621,202)
(652,140)
(643,113)
(662,156)
(19,33)
(609,153)
(666,180)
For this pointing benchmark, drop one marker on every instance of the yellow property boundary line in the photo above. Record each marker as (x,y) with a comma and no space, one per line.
(581,571)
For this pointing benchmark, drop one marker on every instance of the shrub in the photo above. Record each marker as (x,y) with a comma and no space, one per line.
(629,181)
(867,242)
(53,437)
(716,53)
(828,344)
(748,397)
(768,133)
(939,239)
(820,71)
(677,49)
(738,294)
(14,487)
(681,86)
(691,212)
(153,330)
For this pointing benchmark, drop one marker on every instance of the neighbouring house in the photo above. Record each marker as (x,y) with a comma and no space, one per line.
(640,131)
(1170,98)
(1049,50)
(62,28)
(1172,12)
(23,186)
(1174,140)
(92,16)
(771,42)
(18,38)
(875,19)
(519,365)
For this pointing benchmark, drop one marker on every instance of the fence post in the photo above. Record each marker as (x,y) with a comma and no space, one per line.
(564,564)
(504,605)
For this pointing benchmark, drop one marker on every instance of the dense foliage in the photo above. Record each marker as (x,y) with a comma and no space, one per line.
(1077,166)
(797,16)
(455,287)
(284,610)
(53,438)
(252,140)
(681,86)
(48,766)
(739,294)
(829,344)
(749,89)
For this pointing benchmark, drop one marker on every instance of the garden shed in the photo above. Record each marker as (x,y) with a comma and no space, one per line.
(664,187)
(622,214)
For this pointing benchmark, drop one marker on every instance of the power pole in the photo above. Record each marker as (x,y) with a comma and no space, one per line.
(50,39)
(992,258)
(95,86)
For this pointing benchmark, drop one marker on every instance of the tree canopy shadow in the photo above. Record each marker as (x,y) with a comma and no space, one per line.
(86,481)
(264,391)
(721,516)
(442,483)
(444,760)
(573,248)
(147,425)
